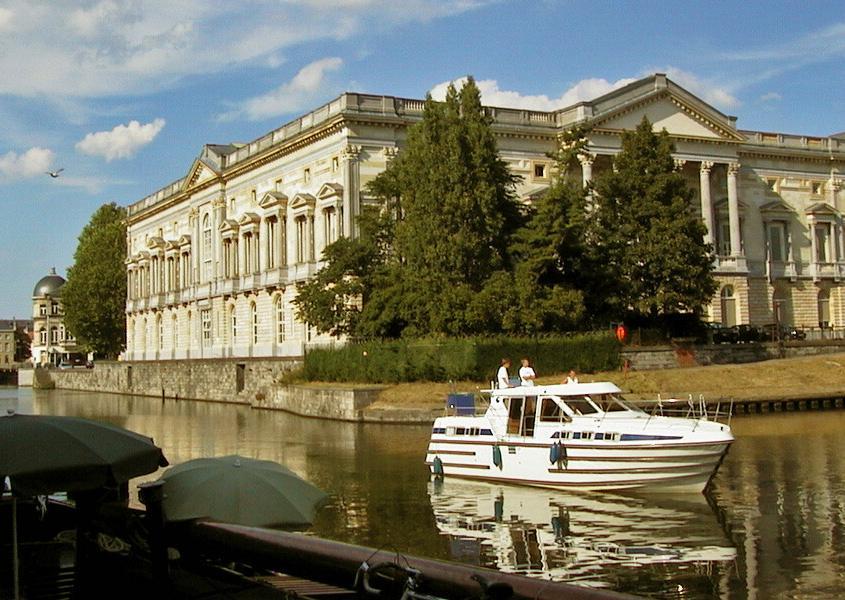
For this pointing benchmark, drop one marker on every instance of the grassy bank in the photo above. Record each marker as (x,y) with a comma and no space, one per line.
(785,378)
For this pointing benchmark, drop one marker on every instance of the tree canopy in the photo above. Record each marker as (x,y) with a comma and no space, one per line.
(94,296)
(442,230)
(644,234)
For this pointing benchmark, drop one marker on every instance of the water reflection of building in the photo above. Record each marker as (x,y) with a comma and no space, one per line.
(576,537)
(786,476)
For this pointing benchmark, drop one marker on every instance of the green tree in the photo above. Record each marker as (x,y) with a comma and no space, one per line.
(645,238)
(94,296)
(551,263)
(447,212)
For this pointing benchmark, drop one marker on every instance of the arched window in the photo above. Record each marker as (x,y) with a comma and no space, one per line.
(188,331)
(824,308)
(174,332)
(279,312)
(160,331)
(253,318)
(54,335)
(728,306)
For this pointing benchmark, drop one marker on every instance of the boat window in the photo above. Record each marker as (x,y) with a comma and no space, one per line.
(581,406)
(515,414)
(528,416)
(624,404)
(551,411)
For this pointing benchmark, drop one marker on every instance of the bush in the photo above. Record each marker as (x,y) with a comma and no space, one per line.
(477,358)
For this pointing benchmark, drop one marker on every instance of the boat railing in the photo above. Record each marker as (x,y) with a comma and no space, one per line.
(689,408)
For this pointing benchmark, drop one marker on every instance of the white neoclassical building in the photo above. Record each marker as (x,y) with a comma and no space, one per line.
(214,257)
(52,343)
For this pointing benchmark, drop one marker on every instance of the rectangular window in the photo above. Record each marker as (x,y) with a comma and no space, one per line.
(539,170)
(205,320)
(777,241)
(822,241)
(816,188)
(306,175)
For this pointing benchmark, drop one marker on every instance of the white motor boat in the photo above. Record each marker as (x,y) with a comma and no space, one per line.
(577,435)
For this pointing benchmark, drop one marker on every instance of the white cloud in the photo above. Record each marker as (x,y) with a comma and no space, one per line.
(491,95)
(121,142)
(34,161)
(771,97)
(297,94)
(122,47)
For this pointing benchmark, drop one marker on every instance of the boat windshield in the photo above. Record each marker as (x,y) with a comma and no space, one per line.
(613,403)
(580,405)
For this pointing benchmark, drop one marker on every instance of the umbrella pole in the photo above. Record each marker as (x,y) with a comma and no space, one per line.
(15,559)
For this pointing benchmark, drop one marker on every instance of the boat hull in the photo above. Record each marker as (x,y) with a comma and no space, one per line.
(669,468)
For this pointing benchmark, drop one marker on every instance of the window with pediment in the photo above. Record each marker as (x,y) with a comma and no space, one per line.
(821,231)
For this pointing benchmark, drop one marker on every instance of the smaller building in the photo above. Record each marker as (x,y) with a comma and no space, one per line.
(7,343)
(52,343)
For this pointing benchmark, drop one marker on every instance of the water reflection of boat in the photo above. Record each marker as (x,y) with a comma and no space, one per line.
(579,436)
(572,537)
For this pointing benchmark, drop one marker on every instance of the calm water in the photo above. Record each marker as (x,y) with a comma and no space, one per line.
(773,527)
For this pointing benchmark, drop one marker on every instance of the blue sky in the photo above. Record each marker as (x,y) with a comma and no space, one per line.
(122,94)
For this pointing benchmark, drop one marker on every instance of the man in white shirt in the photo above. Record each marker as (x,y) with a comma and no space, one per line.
(526,373)
(502,377)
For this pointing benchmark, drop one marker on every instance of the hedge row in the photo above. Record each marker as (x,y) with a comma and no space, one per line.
(475,359)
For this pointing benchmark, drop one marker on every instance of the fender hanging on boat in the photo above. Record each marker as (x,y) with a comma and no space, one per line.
(437,466)
(497,456)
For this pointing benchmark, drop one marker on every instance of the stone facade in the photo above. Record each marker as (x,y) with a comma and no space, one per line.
(52,343)
(7,343)
(214,258)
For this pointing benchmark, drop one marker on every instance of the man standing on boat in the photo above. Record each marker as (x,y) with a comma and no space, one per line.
(526,373)
(502,377)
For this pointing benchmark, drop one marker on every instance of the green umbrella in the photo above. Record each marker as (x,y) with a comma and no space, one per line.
(42,454)
(235,489)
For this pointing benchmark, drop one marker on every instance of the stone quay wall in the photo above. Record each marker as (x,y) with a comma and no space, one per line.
(255,382)
(688,355)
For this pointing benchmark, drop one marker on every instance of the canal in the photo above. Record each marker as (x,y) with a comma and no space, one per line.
(773,525)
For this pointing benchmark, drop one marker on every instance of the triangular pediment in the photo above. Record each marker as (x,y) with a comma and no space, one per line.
(184,240)
(667,106)
(776,208)
(821,209)
(229,225)
(201,171)
(301,200)
(330,190)
(248,218)
(155,242)
(273,199)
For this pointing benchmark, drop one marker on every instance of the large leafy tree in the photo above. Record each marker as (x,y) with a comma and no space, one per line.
(447,213)
(94,296)
(551,265)
(645,238)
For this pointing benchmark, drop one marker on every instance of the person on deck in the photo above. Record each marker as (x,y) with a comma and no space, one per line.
(572,377)
(502,377)
(526,373)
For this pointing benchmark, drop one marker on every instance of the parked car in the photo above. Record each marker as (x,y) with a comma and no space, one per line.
(745,334)
(719,334)
(773,332)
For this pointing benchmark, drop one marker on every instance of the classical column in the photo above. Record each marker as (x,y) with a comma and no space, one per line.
(706,200)
(586,161)
(733,209)
(351,185)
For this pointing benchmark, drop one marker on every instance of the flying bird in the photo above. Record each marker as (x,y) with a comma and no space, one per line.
(54,174)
